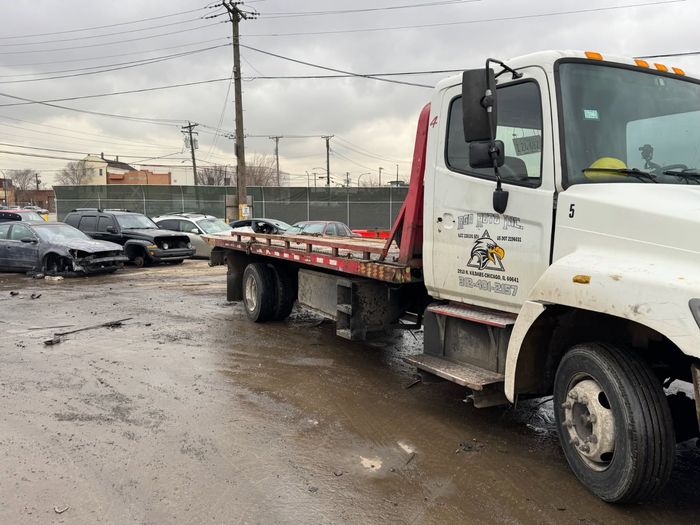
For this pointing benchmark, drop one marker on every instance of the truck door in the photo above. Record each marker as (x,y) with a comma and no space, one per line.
(479,256)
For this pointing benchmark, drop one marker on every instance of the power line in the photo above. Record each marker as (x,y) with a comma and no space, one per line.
(117,67)
(117,42)
(89,37)
(335,70)
(365,10)
(669,55)
(160,17)
(110,94)
(465,22)
(357,149)
(144,52)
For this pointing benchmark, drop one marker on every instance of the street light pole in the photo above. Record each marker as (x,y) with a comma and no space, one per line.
(360,177)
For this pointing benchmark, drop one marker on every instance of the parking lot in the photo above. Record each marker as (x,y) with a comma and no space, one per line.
(190,413)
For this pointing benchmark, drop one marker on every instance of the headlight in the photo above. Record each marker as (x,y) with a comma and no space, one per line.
(189,245)
(151,246)
(165,245)
(695,309)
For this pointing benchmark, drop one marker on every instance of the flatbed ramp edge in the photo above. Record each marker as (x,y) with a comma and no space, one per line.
(369,258)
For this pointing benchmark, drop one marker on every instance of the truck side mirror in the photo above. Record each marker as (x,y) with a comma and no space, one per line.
(479,120)
(478,100)
(111,229)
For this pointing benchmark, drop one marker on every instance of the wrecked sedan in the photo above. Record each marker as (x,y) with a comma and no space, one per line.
(55,248)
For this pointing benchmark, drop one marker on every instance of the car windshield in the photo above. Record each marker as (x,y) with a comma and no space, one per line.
(59,233)
(281,224)
(213,226)
(630,121)
(293,229)
(30,216)
(135,221)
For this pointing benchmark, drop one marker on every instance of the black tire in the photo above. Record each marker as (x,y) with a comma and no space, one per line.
(138,258)
(632,402)
(285,293)
(55,265)
(259,293)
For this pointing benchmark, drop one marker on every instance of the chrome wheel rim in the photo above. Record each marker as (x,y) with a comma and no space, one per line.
(590,423)
(251,293)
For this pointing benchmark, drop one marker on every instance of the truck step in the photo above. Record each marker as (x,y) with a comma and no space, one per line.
(470,376)
(476,314)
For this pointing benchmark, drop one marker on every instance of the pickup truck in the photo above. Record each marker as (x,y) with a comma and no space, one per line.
(548,246)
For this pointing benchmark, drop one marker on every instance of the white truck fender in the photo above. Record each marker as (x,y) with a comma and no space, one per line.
(647,291)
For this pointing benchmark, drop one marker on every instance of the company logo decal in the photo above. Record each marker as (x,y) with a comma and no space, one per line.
(486,254)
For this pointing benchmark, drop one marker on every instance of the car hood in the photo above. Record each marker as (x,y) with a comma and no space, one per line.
(151,234)
(91,246)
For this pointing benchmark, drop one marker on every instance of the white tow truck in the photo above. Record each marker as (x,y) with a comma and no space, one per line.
(548,245)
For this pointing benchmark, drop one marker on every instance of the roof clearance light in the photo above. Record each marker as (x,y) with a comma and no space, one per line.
(641,63)
(661,67)
(678,71)
(594,55)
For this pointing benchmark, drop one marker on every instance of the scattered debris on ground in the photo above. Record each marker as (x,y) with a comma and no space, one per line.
(58,336)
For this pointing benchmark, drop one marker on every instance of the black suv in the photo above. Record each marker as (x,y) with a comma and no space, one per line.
(144,243)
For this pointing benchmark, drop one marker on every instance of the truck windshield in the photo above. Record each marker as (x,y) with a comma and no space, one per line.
(134,221)
(628,120)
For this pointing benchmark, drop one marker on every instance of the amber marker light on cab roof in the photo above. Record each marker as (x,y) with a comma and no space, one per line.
(678,71)
(641,63)
(594,55)
(661,67)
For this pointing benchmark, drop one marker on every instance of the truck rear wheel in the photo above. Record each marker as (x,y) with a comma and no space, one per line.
(259,293)
(614,422)
(286,293)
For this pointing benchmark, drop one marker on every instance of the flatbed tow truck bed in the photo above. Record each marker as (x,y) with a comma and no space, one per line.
(364,257)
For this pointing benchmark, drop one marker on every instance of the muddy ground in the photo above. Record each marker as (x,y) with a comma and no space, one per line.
(189,413)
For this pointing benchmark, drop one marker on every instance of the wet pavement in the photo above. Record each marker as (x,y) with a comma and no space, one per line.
(189,413)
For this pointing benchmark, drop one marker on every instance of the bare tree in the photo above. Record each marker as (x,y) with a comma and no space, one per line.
(76,173)
(216,175)
(23,181)
(261,170)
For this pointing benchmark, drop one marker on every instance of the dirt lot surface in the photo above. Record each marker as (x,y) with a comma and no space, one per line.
(189,413)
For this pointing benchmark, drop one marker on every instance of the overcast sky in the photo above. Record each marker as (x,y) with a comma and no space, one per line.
(373,122)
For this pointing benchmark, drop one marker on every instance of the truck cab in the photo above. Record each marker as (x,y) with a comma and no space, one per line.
(585,285)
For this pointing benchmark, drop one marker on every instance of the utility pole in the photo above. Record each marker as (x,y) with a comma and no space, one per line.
(397,175)
(380,176)
(347,179)
(36,178)
(236,14)
(328,138)
(192,145)
(277,156)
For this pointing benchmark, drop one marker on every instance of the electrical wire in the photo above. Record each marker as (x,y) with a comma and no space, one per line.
(670,55)
(334,69)
(160,17)
(117,42)
(364,10)
(127,65)
(465,22)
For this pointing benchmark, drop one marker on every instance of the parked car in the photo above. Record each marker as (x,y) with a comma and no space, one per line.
(144,243)
(55,248)
(194,225)
(332,228)
(271,226)
(41,211)
(19,215)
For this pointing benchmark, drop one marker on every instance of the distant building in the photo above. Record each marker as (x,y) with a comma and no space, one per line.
(108,171)
(43,198)
(7,192)
(397,183)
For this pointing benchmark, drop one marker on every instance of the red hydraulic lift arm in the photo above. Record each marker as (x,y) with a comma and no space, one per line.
(407,230)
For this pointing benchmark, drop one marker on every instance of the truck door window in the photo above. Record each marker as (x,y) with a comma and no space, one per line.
(519,127)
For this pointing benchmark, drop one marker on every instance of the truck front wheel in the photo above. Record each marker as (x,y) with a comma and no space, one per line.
(614,422)
(259,294)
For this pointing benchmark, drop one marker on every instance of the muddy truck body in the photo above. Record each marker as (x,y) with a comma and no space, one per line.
(547,245)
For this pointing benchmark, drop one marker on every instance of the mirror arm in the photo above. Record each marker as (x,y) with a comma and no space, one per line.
(505,67)
(500,197)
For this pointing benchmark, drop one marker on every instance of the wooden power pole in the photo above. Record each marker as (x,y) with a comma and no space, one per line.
(236,14)
(192,145)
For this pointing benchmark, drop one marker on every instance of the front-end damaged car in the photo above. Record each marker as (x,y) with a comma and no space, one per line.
(54,248)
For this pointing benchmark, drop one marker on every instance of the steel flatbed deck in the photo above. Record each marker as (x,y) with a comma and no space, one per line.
(364,257)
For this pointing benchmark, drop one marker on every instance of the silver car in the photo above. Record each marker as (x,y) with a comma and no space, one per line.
(194,225)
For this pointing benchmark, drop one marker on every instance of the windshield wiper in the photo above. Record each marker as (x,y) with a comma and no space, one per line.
(688,174)
(636,173)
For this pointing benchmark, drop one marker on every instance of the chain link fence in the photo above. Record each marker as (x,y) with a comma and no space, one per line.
(359,208)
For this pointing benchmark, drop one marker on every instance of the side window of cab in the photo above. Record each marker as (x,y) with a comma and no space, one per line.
(519,127)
